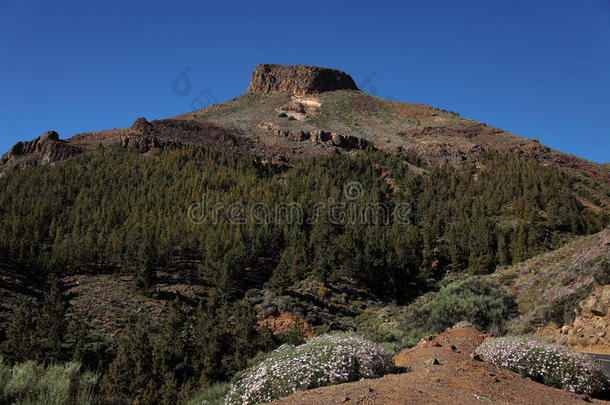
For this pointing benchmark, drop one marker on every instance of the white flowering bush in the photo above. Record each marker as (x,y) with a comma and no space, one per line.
(464,324)
(322,361)
(549,364)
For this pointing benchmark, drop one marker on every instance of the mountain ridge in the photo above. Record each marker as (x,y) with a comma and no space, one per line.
(285,105)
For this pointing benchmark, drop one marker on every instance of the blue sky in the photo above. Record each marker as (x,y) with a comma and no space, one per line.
(535,68)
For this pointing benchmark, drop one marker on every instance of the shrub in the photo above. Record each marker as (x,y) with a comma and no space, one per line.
(548,364)
(214,395)
(480,301)
(291,118)
(282,115)
(602,274)
(28,382)
(563,310)
(322,361)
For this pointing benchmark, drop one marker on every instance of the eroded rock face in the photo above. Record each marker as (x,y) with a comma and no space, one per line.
(298,79)
(145,135)
(47,148)
(141,135)
(317,136)
(590,329)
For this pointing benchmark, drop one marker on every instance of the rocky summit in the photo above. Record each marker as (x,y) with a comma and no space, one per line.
(298,79)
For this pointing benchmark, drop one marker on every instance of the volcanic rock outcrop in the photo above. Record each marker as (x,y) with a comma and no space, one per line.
(145,135)
(141,135)
(317,136)
(47,148)
(298,79)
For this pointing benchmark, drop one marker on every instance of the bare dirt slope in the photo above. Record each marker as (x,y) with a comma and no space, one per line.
(456,379)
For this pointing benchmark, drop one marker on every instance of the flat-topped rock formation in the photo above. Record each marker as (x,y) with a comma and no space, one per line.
(298,79)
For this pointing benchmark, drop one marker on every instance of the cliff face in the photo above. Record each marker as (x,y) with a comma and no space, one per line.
(47,148)
(298,80)
(590,329)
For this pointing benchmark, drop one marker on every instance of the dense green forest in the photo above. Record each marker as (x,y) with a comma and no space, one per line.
(131,213)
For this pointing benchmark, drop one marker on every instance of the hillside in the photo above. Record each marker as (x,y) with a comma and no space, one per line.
(554,289)
(168,256)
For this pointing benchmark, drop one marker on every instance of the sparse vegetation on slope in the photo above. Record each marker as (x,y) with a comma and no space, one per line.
(550,286)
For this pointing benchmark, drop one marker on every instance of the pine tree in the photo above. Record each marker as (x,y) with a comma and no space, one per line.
(51,325)
(245,334)
(130,375)
(172,363)
(21,342)
(145,273)
(211,338)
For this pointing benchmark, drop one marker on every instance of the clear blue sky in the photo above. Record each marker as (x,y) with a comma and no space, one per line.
(535,68)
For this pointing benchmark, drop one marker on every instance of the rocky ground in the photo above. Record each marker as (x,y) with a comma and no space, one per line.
(441,370)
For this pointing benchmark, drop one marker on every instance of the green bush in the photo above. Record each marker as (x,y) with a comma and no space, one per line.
(563,310)
(602,274)
(322,361)
(29,383)
(214,395)
(478,300)
(282,115)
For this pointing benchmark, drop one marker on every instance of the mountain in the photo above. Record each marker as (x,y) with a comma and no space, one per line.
(294,111)
(182,247)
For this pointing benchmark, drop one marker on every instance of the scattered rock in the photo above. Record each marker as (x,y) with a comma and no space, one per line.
(432,361)
(317,136)
(474,356)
